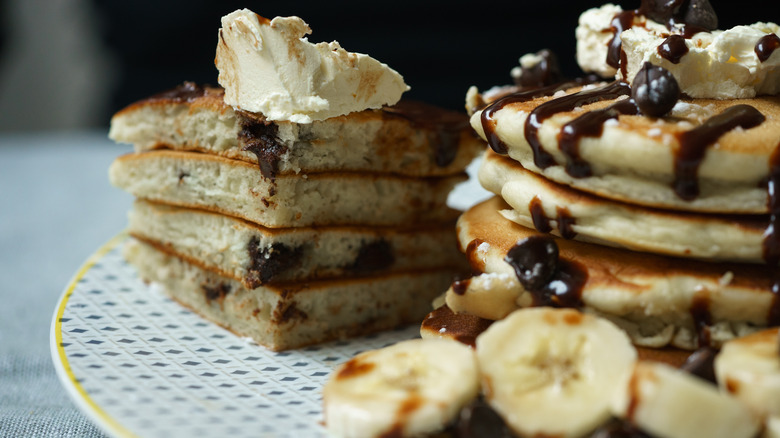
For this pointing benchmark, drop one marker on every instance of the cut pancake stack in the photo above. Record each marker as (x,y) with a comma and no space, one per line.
(293,234)
(665,225)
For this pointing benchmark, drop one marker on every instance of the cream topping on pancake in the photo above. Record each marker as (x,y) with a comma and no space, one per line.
(719,64)
(269,67)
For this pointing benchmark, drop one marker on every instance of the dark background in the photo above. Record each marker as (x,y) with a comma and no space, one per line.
(441,48)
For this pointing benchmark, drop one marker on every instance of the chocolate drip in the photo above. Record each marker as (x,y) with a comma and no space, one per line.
(551,281)
(487,116)
(694,144)
(766,45)
(261,138)
(622,21)
(533,122)
(673,48)
(540,220)
(590,124)
(564,219)
(186,92)
(461,327)
(702,319)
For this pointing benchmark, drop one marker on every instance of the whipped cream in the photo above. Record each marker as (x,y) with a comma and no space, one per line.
(269,67)
(721,64)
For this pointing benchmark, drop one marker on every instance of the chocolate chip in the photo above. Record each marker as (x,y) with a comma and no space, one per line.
(545,72)
(654,90)
(701,14)
(535,261)
(701,363)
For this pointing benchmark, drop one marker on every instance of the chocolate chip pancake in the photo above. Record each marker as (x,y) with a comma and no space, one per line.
(409,138)
(705,155)
(544,205)
(293,315)
(660,301)
(256,255)
(238,188)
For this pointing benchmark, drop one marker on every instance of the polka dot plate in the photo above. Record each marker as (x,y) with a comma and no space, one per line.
(140,365)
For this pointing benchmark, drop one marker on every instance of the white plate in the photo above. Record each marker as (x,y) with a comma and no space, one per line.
(139,364)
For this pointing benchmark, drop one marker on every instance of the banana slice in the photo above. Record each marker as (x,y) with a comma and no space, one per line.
(411,388)
(667,402)
(749,369)
(553,372)
(771,428)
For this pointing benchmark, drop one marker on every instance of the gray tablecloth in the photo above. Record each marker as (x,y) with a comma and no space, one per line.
(56,208)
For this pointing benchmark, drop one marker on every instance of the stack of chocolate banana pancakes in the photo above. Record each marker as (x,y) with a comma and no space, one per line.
(302,201)
(648,195)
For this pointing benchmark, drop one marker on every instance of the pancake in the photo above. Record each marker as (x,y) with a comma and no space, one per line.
(642,160)
(256,255)
(238,188)
(293,315)
(533,198)
(410,138)
(442,322)
(659,301)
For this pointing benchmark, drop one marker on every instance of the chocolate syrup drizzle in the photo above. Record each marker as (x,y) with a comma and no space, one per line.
(551,280)
(694,144)
(590,124)
(533,122)
(564,219)
(766,45)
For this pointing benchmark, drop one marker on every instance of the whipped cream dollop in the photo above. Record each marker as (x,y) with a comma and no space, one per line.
(269,67)
(719,64)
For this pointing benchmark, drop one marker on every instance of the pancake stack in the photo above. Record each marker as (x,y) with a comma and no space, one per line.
(293,233)
(659,216)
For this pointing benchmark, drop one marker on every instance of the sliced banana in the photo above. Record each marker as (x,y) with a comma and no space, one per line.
(771,428)
(553,372)
(749,369)
(667,402)
(411,388)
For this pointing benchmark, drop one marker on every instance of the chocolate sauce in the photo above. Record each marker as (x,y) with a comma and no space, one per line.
(540,220)
(459,287)
(373,256)
(268,263)
(694,144)
(487,116)
(444,127)
(533,122)
(766,45)
(479,420)
(186,92)
(702,319)
(261,138)
(476,262)
(564,219)
(622,21)
(701,363)
(461,327)
(551,281)
(673,48)
(590,124)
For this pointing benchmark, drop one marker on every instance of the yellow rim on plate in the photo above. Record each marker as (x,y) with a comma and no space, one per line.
(63,368)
